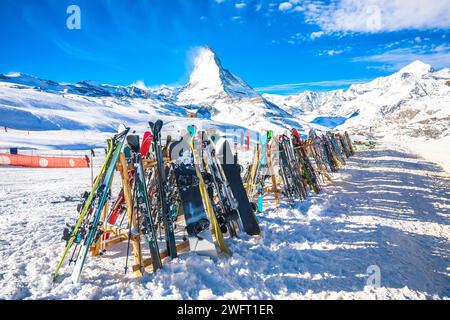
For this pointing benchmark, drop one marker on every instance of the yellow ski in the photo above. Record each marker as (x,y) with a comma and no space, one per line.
(207,201)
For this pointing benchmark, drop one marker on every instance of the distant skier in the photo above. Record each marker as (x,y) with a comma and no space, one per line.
(6,129)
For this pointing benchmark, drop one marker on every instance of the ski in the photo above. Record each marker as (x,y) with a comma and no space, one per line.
(103,191)
(163,189)
(142,201)
(262,171)
(86,207)
(226,204)
(205,196)
(188,190)
(232,171)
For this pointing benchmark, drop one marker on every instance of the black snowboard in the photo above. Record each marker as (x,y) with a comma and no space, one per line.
(197,222)
(232,172)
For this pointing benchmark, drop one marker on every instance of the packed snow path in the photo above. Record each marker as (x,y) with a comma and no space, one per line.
(385,208)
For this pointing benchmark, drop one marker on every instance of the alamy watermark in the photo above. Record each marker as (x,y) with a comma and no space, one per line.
(73,21)
(374,279)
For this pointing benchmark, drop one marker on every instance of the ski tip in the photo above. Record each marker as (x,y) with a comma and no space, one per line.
(54,277)
(157,127)
(121,128)
(192,129)
(133,142)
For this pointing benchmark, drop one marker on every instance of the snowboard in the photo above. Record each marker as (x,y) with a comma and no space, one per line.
(221,195)
(232,171)
(216,230)
(197,222)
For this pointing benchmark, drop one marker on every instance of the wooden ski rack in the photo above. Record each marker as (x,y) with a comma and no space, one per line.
(147,263)
(118,235)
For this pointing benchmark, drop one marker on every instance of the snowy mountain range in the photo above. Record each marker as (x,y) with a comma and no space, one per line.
(415,101)
(31,103)
(412,103)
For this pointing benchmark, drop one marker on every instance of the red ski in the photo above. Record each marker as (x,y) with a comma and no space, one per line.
(147,140)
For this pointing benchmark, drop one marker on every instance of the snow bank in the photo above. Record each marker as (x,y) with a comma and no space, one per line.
(386,208)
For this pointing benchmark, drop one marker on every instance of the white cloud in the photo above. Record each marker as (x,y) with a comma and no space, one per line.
(139,84)
(379,15)
(438,56)
(219,1)
(333,52)
(240,5)
(285,6)
(296,87)
(316,34)
(258,7)
(238,19)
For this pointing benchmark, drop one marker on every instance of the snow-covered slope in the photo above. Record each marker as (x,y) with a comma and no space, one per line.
(385,208)
(411,106)
(30,103)
(88,88)
(209,81)
(230,99)
(413,100)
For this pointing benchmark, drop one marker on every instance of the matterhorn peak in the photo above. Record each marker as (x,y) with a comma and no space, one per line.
(416,68)
(210,81)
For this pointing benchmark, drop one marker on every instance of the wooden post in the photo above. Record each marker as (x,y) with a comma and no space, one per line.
(126,184)
(97,247)
(272,174)
(250,183)
(147,263)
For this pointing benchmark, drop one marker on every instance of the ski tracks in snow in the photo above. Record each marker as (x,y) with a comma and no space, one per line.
(385,208)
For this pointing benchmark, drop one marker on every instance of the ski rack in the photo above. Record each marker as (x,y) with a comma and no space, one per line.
(118,235)
(271,172)
(111,235)
(250,183)
(319,167)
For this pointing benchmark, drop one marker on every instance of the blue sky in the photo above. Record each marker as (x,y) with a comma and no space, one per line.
(276,46)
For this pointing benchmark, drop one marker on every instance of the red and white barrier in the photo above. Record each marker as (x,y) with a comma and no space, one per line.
(21,160)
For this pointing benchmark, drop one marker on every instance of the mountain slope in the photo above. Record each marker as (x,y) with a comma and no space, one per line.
(230,99)
(408,107)
(412,100)
(31,103)
(209,81)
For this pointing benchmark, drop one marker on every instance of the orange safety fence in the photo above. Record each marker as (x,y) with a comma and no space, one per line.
(21,160)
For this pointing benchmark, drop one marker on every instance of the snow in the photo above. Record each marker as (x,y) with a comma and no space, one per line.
(209,81)
(388,207)
(385,208)
(434,150)
(409,107)
(417,68)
